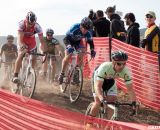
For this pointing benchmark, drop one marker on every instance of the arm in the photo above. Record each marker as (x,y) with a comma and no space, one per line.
(98,89)
(42,42)
(59,50)
(20,38)
(131,92)
(2,50)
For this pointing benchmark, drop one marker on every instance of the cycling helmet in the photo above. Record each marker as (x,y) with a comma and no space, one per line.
(119,56)
(31,17)
(10,37)
(49,31)
(86,23)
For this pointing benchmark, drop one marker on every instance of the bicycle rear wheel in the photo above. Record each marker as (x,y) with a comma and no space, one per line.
(75,86)
(29,84)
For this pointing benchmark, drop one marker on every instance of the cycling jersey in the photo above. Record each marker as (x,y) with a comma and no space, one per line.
(29,33)
(9,52)
(74,36)
(51,45)
(106,71)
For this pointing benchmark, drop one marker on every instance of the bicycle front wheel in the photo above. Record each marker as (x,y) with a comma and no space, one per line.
(29,84)
(76,83)
(49,75)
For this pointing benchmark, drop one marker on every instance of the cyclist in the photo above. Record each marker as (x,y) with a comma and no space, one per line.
(72,41)
(10,53)
(26,40)
(104,80)
(52,45)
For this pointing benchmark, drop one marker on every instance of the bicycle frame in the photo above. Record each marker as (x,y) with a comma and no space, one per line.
(75,84)
(49,66)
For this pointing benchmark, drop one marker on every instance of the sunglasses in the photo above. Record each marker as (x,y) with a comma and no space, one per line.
(49,34)
(149,16)
(121,64)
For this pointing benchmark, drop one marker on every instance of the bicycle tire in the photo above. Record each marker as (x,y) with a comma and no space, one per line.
(29,84)
(90,121)
(75,89)
(87,113)
(49,75)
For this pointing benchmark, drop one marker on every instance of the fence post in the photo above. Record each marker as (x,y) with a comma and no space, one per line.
(159,60)
(110,47)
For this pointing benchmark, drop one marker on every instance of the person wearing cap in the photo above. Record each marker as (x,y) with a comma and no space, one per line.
(151,40)
(10,54)
(117,29)
(133,33)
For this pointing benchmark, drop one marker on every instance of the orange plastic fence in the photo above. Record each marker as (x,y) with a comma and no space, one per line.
(35,115)
(144,67)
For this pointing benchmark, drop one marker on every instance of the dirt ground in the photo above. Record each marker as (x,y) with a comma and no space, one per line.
(51,94)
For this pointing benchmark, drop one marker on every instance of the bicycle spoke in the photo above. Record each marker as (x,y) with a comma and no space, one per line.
(29,85)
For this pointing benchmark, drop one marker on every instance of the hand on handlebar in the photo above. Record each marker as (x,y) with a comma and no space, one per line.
(93,53)
(104,101)
(134,108)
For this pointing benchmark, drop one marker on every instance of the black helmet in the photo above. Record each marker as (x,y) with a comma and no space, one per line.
(86,23)
(31,17)
(10,37)
(49,31)
(119,56)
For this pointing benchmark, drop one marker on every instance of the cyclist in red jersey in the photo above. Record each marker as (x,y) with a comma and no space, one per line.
(26,41)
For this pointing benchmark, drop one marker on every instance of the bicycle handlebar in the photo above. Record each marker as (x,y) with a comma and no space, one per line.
(39,54)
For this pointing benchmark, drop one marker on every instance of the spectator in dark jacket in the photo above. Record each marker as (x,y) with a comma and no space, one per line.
(117,29)
(101,25)
(133,33)
(92,15)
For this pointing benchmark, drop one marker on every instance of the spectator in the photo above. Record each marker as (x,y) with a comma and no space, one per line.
(92,15)
(117,29)
(151,41)
(133,33)
(102,25)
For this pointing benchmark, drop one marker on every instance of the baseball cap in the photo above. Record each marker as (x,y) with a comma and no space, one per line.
(151,13)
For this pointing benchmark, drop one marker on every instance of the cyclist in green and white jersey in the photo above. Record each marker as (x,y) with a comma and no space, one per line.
(52,45)
(104,80)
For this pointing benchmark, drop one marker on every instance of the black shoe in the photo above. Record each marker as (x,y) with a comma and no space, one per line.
(15,80)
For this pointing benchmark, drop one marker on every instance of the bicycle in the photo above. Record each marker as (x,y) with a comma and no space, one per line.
(102,113)
(9,69)
(27,77)
(73,72)
(49,76)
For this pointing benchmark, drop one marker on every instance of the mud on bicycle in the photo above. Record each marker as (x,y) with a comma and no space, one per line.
(8,69)
(27,77)
(103,112)
(50,68)
(73,78)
